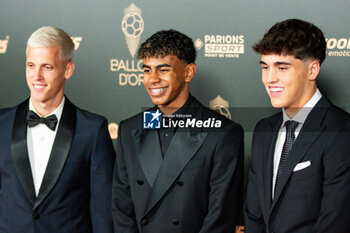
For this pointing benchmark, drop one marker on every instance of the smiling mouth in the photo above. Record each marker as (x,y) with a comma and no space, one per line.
(157,91)
(39,86)
(276,89)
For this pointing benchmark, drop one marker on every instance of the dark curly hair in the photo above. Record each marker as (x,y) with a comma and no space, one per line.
(168,42)
(294,37)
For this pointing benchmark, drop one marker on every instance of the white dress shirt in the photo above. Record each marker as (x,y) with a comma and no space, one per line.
(40,140)
(300,117)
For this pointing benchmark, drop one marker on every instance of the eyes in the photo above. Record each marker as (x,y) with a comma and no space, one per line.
(48,67)
(279,67)
(160,70)
(44,67)
(282,68)
(146,70)
(163,70)
(264,67)
(30,65)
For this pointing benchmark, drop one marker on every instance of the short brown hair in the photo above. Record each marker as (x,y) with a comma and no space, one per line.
(294,37)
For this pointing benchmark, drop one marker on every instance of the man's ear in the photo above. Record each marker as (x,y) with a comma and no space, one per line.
(314,69)
(69,70)
(190,72)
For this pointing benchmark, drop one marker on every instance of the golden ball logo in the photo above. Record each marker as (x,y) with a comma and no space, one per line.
(132,25)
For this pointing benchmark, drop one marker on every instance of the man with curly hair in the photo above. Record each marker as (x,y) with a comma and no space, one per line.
(176,179)
(299,179)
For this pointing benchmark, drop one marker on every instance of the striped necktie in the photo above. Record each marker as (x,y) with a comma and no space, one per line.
(287,146)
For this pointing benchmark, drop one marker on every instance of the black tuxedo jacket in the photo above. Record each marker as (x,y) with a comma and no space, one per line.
(80,168)
(196,188)
(313,199)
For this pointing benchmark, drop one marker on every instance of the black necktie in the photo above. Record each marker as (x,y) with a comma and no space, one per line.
(33,119)
(287,146)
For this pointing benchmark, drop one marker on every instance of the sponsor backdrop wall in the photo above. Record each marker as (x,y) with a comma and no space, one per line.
(108,76)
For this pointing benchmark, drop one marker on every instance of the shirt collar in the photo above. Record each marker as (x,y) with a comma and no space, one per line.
(58,111)
(304,111)
(185,109)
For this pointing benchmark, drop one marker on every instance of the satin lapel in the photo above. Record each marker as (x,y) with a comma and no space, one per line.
(59,152)
(20,152)
(149,153)
(268,155)
(182,148)
(310,131)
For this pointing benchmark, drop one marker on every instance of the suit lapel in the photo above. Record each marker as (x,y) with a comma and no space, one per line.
(149,153)
(310,131)
(20,152)
(268,155)
(59,152)
(182,148)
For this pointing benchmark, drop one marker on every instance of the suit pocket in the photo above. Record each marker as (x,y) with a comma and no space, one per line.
(192,164)
(303,174)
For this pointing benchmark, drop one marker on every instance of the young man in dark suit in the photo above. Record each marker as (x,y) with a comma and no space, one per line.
(176,179)
(54,157)
(299,178)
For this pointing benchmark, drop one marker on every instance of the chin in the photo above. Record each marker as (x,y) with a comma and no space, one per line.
(275,104)
(35,98)
(157,101)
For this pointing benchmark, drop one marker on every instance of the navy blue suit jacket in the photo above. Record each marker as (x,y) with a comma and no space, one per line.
(311,200)
(79,170)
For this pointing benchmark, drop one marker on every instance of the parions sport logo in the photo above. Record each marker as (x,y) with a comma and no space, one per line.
(130,71)
(338,47)
(221,46)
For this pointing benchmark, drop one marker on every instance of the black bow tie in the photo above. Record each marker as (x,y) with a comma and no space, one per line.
(33,119)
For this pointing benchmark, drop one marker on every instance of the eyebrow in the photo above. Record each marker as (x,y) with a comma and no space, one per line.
(282,63)
(276,63)
(43,64)
(158,66)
